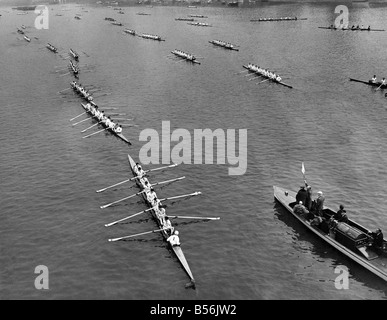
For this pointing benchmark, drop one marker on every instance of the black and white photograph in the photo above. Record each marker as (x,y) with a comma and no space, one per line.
(186,156)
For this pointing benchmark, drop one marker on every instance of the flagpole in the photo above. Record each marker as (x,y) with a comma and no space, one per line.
(303,171)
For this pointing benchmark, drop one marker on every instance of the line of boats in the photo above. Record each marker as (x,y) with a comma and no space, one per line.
(265,74)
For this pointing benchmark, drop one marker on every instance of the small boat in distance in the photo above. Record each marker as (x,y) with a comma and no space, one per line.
(151,37)
(129,31)
(358,28)
(278,19)
(184,55)
(184,19)
(224,44)
(251,68)
(27,38)
(370,83)
(50,47)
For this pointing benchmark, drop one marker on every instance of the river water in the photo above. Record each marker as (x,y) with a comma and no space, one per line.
(49,174)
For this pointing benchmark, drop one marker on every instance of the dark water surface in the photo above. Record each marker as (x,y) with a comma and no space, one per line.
(50,211)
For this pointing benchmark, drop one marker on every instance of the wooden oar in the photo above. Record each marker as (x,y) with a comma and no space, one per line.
(253,78)
(131,196)
(126,218)
(135,235)
(199,218)
(117,184)
(379,87)
(182,196)
(74,124)
(78,116)
(134,178)
(95,133)
(263,81)
(138,193)
(161,168)
(64,90)
(95,124)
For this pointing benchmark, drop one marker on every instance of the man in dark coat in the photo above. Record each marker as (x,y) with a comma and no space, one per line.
(341,215)
(301,195)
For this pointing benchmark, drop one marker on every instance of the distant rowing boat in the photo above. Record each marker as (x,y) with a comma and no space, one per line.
(20,31)
(350,29)
(129,31)
(143,14)
(110,19)
(197,16)
(50,47)
(272,80)
(224,44)
(27,39)
(370,83)
(74,69)
(186,56)
(277,19)
(116,23)
(77,17)
(184,19)
(151,37)
(200,24)
(74,54)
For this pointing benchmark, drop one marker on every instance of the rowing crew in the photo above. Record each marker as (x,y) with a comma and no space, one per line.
(383,83)
(151,36)
(184,55)
(223,43)
(264,72)
(157,206)
(82,91)
(74,68)
(278,19)
(51,47)
(100,115)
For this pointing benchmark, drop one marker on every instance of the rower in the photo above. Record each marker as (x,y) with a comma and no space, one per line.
(151,195)
(174,239)
(117,128)
(168,225)
(369,28)
(161,213)
(278,79)
(383,82)
(373,79)
(138,170)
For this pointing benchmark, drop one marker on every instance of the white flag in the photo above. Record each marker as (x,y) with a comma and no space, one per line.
(302,168)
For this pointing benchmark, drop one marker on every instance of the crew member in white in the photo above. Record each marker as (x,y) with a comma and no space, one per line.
(174,239)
